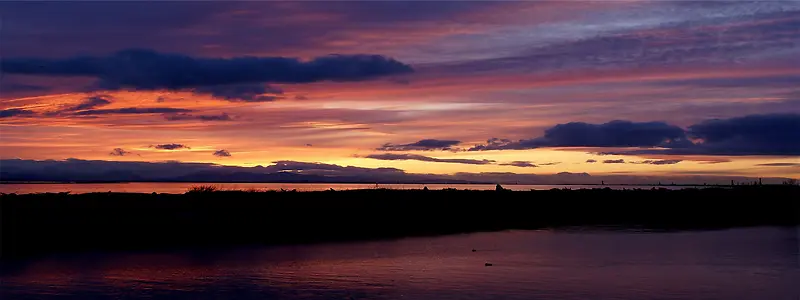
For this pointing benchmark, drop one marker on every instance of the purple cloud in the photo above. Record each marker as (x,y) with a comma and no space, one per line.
(184,116)
(779,164)
(90,103)
(119,152)
(658,162)
(422,145)
(521,164)
(614,161)
(132,110)
(389,156)
(221,153)
(612,134)
(229,78)
(14,112)
(242,92)
(170,146)
(770,134)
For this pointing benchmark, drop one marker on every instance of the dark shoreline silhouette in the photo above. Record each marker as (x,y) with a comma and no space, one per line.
(453,182)
(41,224)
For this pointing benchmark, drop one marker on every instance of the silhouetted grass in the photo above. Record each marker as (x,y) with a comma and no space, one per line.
(51,223)
(203,189)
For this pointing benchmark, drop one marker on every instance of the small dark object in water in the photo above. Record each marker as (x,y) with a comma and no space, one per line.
(473,250)
(487,264)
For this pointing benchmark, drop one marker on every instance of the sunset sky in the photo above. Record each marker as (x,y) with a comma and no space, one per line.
(604,87)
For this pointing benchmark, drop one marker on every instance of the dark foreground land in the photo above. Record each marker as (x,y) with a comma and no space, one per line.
(38,224)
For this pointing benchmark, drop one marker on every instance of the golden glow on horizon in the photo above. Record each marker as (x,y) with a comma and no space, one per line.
(344,122)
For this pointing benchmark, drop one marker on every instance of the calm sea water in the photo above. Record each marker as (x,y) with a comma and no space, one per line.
(737,264)
(181,187)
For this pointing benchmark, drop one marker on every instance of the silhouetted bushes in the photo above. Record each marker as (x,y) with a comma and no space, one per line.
(47,223)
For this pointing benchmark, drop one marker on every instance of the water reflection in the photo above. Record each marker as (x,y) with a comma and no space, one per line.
(756,263)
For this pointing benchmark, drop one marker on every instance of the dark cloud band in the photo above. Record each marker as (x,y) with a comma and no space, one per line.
(119,152)
(14,112)
(771,134)
(184,117)
(389,156)
(422,145)
(228,78)
(612,134)
(132,110)
(170,146)
(521,164)
(614,161)
(221,153)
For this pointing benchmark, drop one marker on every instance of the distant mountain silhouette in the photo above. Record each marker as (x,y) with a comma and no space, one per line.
(76,170)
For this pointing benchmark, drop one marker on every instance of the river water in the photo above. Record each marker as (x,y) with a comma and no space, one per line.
(736,264)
